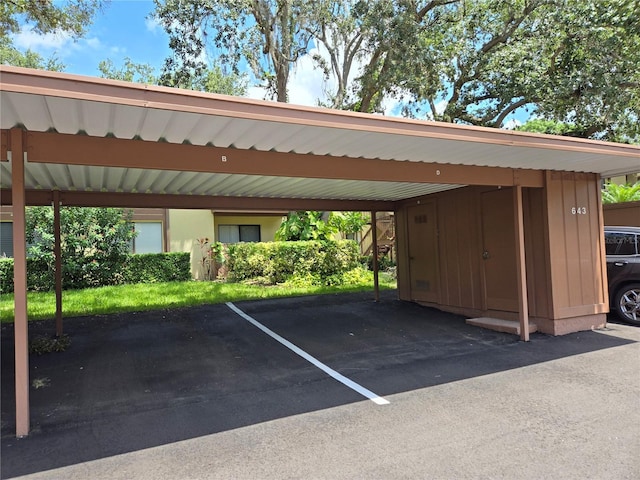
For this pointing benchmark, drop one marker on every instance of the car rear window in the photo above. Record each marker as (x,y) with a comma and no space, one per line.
(618,243)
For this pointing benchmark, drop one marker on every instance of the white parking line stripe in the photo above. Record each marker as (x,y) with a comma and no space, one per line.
(339,377)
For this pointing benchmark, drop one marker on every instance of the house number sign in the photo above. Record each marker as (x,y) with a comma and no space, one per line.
(578,210)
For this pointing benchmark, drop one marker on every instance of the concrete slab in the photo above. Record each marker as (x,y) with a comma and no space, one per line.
(201,393)
(500,325)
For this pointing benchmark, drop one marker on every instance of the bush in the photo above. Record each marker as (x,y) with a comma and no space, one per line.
(6,275)
(95,244)
(137,268)
(384,262)
(320,262)
(40,278)
(157,267)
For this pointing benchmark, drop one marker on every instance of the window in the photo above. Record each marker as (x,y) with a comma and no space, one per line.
(618,243)
(6,239)
(238,233)
(149,238)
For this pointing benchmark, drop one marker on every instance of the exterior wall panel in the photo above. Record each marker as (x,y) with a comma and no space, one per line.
(459,246)
(402,247)
(566,290)
(186,226)
(622,214)
(575,242)
(536,252)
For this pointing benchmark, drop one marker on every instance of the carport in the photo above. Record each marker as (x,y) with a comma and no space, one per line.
(461,193)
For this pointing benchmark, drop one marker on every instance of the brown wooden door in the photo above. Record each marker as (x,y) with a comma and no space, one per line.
(423,252)
(499,250)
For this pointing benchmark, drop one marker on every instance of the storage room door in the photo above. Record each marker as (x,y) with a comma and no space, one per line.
(499,250)
(423,252)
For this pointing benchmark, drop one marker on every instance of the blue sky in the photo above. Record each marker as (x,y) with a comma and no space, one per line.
(121,30)
(125,29)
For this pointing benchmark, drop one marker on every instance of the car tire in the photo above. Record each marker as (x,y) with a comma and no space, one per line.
(627,303)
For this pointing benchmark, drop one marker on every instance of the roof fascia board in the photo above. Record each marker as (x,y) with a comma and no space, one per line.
(21,80)
(113,152)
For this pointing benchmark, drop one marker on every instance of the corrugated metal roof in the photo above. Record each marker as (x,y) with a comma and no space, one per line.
(44,101)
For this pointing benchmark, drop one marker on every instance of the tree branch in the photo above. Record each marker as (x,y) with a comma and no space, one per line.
(514,106)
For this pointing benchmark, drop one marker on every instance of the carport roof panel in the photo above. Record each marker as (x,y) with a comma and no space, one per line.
(81,178)
(45,101)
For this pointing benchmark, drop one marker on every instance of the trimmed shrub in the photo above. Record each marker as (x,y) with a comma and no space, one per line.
(277,262)
(138,268)
(157,267)
(6,275)
(40,278)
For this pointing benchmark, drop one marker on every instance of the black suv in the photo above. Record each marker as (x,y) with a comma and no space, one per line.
(622,245)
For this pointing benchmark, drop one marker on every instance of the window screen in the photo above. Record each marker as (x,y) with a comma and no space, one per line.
(228,233)
(6,239)
(149,238)
(238,233)
(249,233)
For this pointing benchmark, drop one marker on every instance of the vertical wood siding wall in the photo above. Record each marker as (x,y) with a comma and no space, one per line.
(563,246)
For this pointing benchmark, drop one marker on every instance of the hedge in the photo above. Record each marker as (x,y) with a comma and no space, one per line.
(139,268)
(157,267)
(277,262)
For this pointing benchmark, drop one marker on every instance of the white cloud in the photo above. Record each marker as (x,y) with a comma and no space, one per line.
(306,84)
(59,43)
(305,87)
(28,39)
(93,43)
(152,24)
(117,51)
(512,124)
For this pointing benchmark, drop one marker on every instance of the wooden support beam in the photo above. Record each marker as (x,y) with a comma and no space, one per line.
(115,152)
(208,202)
(21,329)
(374,248)
(521,269)
(57,251)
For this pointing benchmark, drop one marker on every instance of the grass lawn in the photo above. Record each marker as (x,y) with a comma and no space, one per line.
(140,297)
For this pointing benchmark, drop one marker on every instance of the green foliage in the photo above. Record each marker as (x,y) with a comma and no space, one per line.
(614,193)
(306,225)
(551,127)
(348,223)
(156,296)
(573,61)
(211,80)
(268,35)
(129,72)
(384,262)
(95,243)
(9,55)
(157,267)
(6,275)
(476,62)
(358,276)
(40,276)
(137,268)
(71,16)
(323,262)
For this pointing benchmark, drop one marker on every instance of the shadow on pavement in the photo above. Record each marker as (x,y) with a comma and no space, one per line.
(135,381)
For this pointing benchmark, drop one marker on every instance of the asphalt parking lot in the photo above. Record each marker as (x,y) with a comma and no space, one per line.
(207,393)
